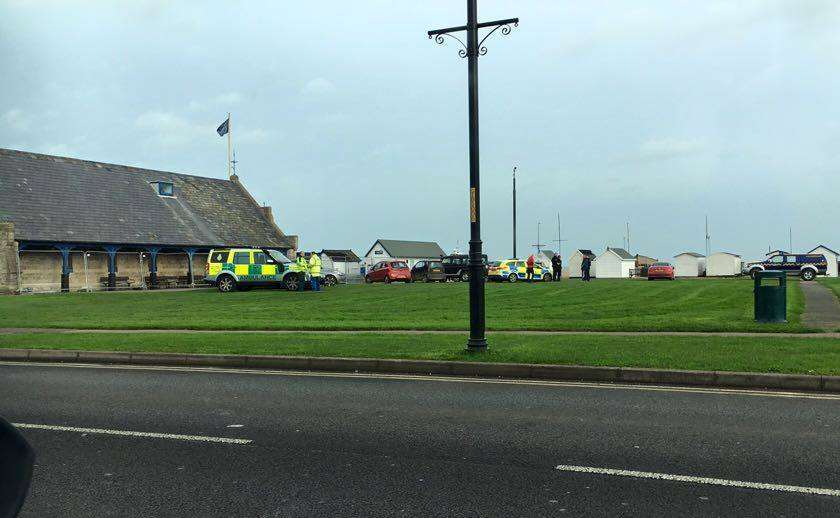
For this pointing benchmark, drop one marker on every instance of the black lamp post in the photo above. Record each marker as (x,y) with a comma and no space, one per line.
(474,48)
(514,213)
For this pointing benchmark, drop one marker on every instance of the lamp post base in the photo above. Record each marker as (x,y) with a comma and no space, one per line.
(476,345)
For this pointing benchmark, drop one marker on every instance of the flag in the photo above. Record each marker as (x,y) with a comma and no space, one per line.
(223,128)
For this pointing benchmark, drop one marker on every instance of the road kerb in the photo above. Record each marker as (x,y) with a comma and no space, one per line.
(794,382)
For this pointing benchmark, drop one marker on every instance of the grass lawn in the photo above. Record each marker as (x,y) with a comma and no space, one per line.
(603,305)
(755,354)
(833,283)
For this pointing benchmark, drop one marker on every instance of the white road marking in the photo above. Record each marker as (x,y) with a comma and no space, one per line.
(700,480)
(155,435)
(443,378)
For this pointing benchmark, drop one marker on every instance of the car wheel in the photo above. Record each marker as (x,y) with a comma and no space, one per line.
(546,277)
(808,274)
(464,277)
(291,282)
(754,273)
(330,280)
(368,280)
(387,280)
(226,284)
(512,278)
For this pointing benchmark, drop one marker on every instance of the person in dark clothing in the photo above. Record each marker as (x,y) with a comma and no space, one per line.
(584,268)
(557,267)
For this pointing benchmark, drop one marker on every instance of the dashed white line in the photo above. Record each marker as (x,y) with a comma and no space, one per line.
(700,480)
(154,435)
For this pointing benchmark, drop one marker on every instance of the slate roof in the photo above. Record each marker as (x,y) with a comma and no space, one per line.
(59,199)
(586,253)
(342,255)
(409,249)
(827,248)
(692,254)
(622,253)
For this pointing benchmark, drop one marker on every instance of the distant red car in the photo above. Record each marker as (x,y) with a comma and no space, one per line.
(660,271)
(389,271)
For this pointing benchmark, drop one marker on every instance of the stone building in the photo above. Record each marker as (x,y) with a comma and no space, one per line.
(72,224)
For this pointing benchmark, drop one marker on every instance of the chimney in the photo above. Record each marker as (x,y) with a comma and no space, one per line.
(267,213)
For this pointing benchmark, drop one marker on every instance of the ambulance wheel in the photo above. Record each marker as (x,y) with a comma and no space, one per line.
(465,277)
(291,282)
(226,284)
(808,274)
(546,277)
(512,278)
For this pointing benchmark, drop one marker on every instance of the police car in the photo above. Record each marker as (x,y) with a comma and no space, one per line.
(806,266)
(513,270)
(235,268)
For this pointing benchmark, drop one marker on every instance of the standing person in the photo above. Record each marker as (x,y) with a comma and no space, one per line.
(302,267)
(529,268)
(315,271)
(584,266)
(557,267)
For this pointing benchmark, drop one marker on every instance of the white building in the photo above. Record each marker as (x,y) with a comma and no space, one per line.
(342,261)
(689,264)
(830,256)
(410,251)
(614,263)
(723,264)
(571,269)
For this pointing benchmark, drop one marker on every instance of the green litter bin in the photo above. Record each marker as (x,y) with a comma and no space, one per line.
(770,296)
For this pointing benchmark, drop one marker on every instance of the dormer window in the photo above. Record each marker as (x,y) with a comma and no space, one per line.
(164,188)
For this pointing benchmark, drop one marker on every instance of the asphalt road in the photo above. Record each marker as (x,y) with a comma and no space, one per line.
(376,446)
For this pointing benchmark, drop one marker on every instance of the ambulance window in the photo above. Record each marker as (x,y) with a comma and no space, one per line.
(242,258)
(259,258)
(219,256)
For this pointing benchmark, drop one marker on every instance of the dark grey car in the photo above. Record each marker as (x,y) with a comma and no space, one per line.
(428,271)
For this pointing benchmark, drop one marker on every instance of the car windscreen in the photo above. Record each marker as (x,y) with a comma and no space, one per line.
(495,263)
(399,264)
(278,256)
(435,264)
(661,264)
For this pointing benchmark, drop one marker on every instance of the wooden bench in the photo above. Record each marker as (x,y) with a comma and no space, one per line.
(120,282)
(174,281)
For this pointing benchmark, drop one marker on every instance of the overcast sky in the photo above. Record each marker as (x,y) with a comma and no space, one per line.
(352,124)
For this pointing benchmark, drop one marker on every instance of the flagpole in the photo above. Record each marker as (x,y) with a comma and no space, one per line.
(228,135)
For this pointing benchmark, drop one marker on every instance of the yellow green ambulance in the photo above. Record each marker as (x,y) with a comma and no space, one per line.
(241,268)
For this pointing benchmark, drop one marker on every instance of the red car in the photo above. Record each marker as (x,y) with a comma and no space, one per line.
(660,271)
(388,271)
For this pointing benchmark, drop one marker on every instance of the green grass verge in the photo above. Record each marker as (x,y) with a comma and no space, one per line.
(605,305)
(752,354)
(832,283)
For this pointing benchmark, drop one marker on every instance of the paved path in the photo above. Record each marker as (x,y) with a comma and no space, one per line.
(179,442)
(20,330)
(822,310)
